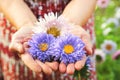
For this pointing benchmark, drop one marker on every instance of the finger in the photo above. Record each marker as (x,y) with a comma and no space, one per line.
(30,62)
(80,64)
(26,39)
(16,47)
(70,68)
(62,67)
(26,46)
(45,68)
(88,44)
(52,65)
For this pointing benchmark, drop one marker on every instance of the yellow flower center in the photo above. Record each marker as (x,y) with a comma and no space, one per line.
(43,47)
(54,31)
(108,47)
(68,49)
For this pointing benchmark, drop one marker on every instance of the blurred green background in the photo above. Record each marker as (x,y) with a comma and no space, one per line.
(107,30)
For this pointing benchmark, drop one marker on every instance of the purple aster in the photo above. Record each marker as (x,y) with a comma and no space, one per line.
(69,49)
(88,62)
(40,46)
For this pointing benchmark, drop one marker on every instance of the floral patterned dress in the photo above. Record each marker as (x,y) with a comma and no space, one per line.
(11,67)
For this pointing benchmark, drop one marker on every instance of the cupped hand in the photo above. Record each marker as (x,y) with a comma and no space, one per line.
(70,68)
(19,45)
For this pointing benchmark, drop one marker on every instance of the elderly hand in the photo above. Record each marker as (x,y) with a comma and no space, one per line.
(19,45)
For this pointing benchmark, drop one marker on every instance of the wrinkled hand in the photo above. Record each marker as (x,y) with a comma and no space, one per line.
(70,68)
(19,45)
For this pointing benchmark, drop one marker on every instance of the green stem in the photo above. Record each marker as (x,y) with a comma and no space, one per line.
(79,77)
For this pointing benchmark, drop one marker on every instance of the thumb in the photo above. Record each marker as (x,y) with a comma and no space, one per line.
(16,47)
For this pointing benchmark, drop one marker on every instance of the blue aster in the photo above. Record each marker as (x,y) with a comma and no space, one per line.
(69,48)
(40,46)
(88,62)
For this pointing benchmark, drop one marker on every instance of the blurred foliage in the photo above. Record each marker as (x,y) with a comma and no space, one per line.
(101,16)
(82,74)
(109,69)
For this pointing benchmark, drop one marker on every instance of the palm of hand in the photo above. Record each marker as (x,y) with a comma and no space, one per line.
(19,42)
(80,32)
(19,38)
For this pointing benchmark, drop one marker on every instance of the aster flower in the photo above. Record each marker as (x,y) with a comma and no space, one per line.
(40,46)
(70,47)
(115,21)
(117,14)
(51,24)
(99,55)
(107,31)
(48,24)
(88,62)
(109,46)
(116,54)
(102,3)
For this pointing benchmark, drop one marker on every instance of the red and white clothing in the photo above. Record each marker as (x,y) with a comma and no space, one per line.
(11,67)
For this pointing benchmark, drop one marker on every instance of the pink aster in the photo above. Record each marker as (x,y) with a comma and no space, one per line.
(116,54)
(103,3)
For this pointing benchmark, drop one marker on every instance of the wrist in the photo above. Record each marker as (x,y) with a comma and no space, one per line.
(27,25)
(66,21)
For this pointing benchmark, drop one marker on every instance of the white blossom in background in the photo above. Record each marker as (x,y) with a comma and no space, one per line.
(108,46)
(104,25)
(117,14)
(107,31)
(115,21)
(100,53)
